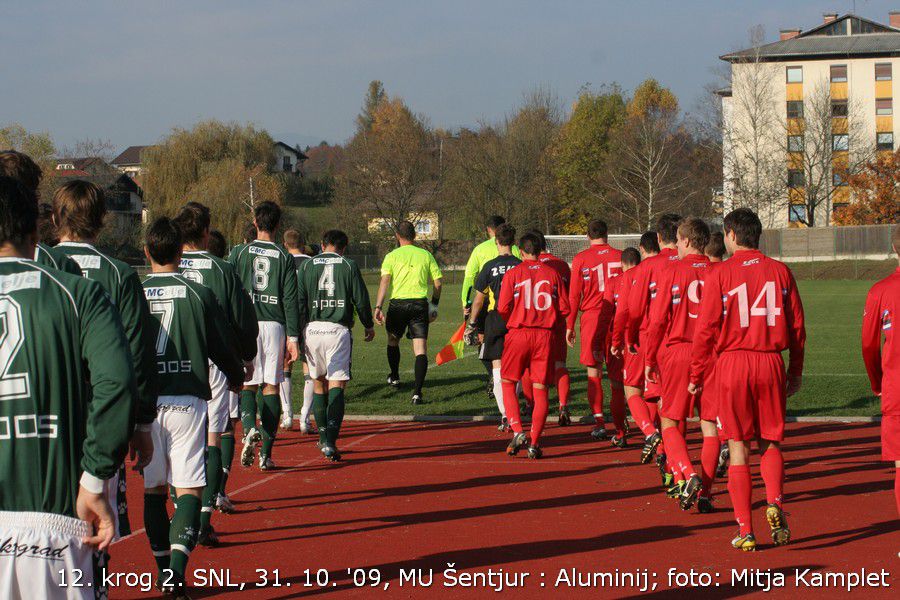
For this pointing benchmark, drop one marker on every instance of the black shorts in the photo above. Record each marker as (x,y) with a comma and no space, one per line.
(494,333)
(409,317)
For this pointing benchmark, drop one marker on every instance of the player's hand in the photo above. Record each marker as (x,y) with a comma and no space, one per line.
(694,389)
(794,384)
(370,334)
(470,335)
(95,510)
(570,337)
(293,349)
(379,316)
(432,312)
(248,371)
(615,350)
(466,312)
(140,449)
(632,349)
(651,372)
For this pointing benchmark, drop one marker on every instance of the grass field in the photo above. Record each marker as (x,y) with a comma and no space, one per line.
(834,384)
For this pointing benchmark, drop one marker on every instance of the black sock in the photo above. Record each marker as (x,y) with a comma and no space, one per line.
(421,369)
(393,354)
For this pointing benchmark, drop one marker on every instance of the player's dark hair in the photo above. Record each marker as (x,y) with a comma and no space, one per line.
(746,226)
(18,212)
(193,222)
(505,234)
(716,246)
(20,166)
(80,209)
(530,243)
(336,238)
(649,242)
(494,221)
(267,216)
(597,229)
(249,233)
(631,257)
(293,239)
(541,239)
(217,245)
(695,231)
(164,241)
(667,228)
(47,233)
(406,231)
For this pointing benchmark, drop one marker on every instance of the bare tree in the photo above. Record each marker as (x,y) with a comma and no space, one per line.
(90,148)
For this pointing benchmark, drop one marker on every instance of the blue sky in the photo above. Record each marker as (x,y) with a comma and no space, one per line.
(129,71)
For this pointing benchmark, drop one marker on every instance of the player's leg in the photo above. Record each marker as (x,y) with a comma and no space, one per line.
(156,516)
(561,379)
(420,349)
(285,395)
(512,366)
(395,325)
(595,400)
(498,394)
(543,373)
(338,351)
(305,411)
(769,382)
(591,356)
(274,340)
(709,456)
(740,490)
(226,444)
(207,535)
(890,448)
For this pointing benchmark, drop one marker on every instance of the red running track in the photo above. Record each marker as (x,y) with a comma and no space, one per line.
(422,495)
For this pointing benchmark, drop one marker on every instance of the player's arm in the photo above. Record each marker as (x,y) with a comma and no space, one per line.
(506,300)
(563,293)
(706,331)
(243,317)
(797,333)
(607,307)
(620,318)
(481,285)
(437,279)
(575,288)
(289,300)
(221,341)
(469,276)
(135,311)
(638,298)
(361,300)
(871,340)
(660,315)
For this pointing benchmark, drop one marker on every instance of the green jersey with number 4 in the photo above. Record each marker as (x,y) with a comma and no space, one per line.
(67,388)
(189,329)
(331,288)
(267,271)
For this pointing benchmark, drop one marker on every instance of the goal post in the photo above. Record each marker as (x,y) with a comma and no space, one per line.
(567,246)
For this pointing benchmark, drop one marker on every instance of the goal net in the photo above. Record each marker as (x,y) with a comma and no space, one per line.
(567,246)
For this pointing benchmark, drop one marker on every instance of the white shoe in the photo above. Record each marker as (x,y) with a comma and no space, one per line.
(250,440)
(308,429)
(265,463)
(287,423)
(224,504)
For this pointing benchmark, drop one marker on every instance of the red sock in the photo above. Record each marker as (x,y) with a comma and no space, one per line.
(641,416)
(682,427)
(897,488)
(595,398)
(677,453)
(653,409)
(527,387)
(771,467)
(739,487)
(511,404)
(709,460)
(539,416)
(562,386)
(617,407)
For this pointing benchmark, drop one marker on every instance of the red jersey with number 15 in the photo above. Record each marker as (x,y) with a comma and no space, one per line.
(750,302)
(533,295)
(593,269)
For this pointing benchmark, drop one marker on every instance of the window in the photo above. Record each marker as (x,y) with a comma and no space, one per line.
(423,227)
(797,213)
(795,74)
(884,107)
(286,164)
(795,109)
(838,73)
(883,72)
(837,179)
(795,143)
(840,142)
(796,178)
(885,141)
(838,108)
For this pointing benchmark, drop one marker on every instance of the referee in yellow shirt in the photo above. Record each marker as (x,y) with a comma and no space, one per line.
(407,271)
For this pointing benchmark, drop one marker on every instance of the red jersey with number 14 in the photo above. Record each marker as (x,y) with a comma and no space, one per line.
(533,295)
(592,271)
(750,302)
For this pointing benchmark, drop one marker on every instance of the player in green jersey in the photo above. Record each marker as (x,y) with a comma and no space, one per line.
(300,253)
(219,276)
(407,270)
(331,290)
(189,329)
(67,400)
(267,271)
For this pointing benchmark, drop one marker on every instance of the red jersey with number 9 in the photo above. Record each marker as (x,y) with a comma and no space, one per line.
(750,302)
(533,295)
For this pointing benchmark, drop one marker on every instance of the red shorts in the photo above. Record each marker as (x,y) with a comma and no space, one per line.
(709,405)
(527,349)
(614,364)
(633,368)
(558,347)
(890,437)
(592,339)
(752,397)
(676,403)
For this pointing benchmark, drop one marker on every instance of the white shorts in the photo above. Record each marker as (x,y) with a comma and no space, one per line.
(179,443)
(268,366)
(218,409)
(329,348)
(234,405)
(112,488)
(35,547)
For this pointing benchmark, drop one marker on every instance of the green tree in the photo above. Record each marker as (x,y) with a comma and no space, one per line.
(375,95)
(38,145)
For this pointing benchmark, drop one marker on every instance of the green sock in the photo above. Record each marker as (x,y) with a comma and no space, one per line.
(183,533)
(335,415)
(156,523)
(319,404)
(213,475)
(269,416)
(227,458)
(248,410)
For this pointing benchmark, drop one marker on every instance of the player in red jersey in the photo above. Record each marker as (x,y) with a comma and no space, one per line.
(533,301)
(883,363)
(594,269)
(630,352)
(715,252)
(609,304)
(672,317)
(750,312)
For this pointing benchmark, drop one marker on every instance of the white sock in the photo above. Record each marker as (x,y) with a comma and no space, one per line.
(498,392)
(287,407)
(308,389)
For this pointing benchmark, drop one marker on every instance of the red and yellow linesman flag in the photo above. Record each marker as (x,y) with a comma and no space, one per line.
(454,348)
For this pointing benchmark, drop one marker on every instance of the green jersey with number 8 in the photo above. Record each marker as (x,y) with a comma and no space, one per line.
(268,273)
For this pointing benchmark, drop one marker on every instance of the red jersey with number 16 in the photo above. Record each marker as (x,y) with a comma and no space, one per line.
(592,271)
(533,295)
(750,302)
